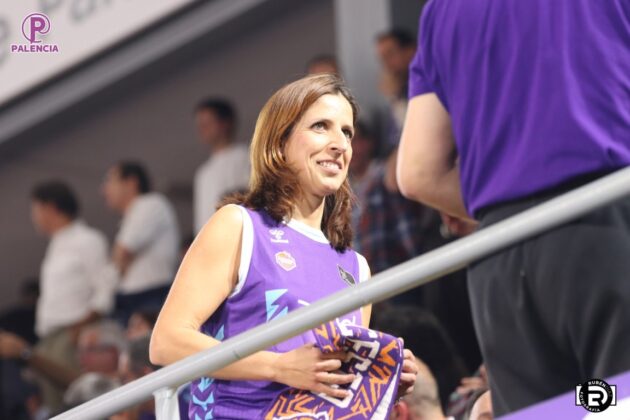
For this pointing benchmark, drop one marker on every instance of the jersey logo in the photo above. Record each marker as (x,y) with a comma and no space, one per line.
(345,276)
(277,235)
(285,260)
(271,297)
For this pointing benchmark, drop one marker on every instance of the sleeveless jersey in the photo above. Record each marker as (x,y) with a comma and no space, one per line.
(283,267)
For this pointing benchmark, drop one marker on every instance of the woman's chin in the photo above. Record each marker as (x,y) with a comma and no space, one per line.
(324,189)
(325,192)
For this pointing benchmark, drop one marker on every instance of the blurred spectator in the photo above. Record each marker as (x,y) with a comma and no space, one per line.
(390,228)
(395,49)
(423,403)
(474,383)
(228,167)
(16,353)
(20,319)
(141,323)
(100,346)
(74,289)
(15,390)
(324,63)
(146,248)
(98,349)
(88,387)
(460,400)
(363,155)
(134,364)
(362,166)
(428,340)
(35,408)
(480,406)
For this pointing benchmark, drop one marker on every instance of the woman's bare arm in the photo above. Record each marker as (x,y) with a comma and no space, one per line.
(205,279)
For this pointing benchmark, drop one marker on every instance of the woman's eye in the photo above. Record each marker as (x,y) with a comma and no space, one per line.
(319,125)
(348,134)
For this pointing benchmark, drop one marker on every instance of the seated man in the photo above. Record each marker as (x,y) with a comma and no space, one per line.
(134,364)
(99,347)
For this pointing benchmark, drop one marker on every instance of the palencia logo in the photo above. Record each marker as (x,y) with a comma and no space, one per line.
(595,395)
(34,26)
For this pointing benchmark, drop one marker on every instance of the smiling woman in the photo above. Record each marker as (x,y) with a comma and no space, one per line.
(303,130)
(283,245)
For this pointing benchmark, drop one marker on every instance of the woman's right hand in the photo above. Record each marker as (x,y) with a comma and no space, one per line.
(310,369)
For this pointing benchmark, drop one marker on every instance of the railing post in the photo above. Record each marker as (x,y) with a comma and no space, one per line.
(166,404)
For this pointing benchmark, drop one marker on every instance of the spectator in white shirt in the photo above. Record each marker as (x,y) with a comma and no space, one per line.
(146,248)
(228,168)
(75,287)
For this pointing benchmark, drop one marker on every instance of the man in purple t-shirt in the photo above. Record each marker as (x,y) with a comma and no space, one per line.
(511,104)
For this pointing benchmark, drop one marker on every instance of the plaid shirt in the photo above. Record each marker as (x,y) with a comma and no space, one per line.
(391,229)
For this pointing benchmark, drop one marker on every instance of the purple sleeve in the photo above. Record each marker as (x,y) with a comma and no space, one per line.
(422,74)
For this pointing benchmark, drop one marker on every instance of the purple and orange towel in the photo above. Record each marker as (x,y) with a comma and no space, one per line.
(375,357)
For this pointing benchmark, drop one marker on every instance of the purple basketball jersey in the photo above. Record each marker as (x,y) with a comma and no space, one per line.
(288,269)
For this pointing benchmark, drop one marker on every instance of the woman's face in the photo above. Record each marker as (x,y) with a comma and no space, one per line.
(319,148)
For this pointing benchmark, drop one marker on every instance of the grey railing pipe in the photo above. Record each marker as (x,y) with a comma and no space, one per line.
(399,279)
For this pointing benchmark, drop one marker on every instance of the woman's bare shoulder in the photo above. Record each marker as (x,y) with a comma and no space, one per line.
(228,220)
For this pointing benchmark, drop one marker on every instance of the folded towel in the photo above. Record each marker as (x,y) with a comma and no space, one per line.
(375,357)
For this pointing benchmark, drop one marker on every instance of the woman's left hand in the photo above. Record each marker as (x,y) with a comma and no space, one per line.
(408,375)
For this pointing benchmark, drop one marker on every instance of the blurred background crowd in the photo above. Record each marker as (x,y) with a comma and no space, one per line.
(110,237)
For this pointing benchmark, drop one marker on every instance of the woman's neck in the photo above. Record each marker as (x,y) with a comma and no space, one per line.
(310,211)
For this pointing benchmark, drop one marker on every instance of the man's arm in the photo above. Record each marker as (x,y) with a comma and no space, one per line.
(427,169)
(122,258)
(104,276)
(139,228)
(14,347)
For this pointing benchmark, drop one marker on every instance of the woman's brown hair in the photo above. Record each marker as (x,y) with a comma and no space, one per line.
(273,185)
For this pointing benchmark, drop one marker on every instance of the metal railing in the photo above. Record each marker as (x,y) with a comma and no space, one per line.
(396,280)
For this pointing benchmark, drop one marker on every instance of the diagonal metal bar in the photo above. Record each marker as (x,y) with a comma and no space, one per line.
(396,280)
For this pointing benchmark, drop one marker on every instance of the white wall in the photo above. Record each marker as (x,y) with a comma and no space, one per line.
(149,118)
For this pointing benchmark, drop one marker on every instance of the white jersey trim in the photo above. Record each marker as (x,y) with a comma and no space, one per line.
(364,268)
(364,275)
(308,231)
(247,248)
